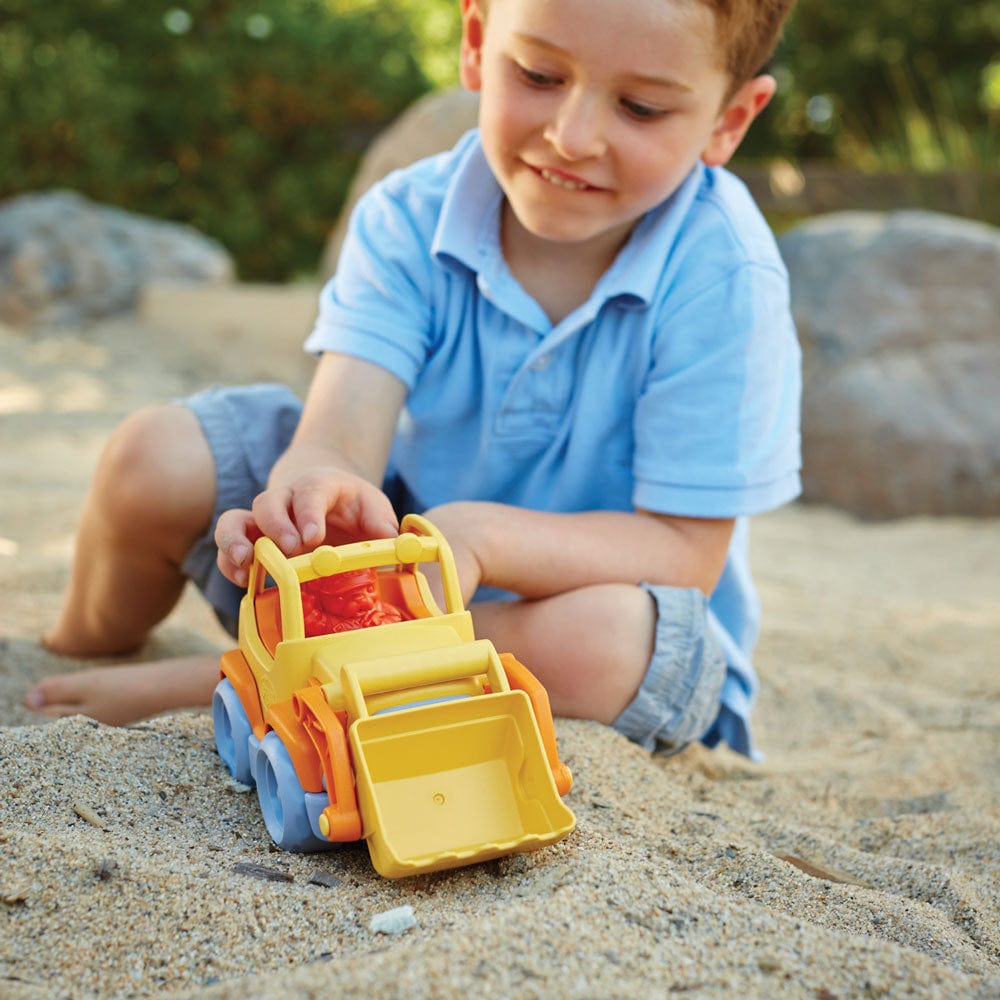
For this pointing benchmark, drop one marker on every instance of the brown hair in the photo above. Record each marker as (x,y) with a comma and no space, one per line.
(747,32)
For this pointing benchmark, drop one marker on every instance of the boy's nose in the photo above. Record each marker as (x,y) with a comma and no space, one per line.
(576,132)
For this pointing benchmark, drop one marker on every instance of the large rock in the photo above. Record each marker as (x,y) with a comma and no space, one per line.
(66,260)
(430,125)
(899,318)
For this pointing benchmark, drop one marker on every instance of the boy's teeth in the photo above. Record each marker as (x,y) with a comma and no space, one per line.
(561,181)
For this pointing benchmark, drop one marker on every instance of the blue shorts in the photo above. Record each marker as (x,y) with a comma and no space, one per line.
(248,427)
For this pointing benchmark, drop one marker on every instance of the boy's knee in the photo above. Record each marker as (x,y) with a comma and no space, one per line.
(679,696)
(617,624)
(628,614)
(156,469)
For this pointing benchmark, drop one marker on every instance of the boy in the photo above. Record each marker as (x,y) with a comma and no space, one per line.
(567,341)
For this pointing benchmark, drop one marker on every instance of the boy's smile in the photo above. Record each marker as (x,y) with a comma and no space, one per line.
(593,113)
(563,180)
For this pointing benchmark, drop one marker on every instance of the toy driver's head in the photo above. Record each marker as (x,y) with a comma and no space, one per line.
(347,595)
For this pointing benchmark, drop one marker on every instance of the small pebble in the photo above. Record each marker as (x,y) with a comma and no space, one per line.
(19,894)
(328,879)
(397,921)
(85,812)
(262,872)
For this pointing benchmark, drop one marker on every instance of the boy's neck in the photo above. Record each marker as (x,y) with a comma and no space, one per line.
(558,276)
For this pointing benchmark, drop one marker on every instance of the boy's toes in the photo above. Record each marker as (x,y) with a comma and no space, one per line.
(47,698)
(34,700)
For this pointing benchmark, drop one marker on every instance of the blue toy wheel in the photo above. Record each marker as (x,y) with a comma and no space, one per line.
(232,731)
(282,798)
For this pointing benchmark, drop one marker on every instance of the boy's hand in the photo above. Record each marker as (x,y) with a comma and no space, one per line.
(323,506)
(460,526)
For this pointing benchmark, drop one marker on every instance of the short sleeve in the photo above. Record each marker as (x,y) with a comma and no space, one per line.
(717,422)
(378,305)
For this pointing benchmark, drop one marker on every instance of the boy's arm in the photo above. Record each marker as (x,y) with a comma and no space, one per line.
(325,486)
(538,554)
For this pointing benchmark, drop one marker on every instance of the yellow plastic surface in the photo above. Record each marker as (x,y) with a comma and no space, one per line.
(414,676)
(449,763)
(455,783)
(279,673)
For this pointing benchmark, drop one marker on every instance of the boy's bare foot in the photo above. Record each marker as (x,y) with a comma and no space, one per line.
(120,695)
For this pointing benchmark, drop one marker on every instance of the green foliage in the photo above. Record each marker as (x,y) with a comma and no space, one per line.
(247,118)
(244,118)
(892,84)
(437,29)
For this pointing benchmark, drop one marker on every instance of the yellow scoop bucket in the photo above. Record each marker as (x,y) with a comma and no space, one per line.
(450,782)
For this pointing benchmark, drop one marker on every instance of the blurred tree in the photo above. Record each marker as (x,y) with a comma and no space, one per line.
(244,118)
(893,83)
(436,25)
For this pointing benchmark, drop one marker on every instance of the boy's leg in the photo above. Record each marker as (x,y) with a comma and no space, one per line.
(152,495)
(164,478)
(589,647)
(119,695)
(642,659)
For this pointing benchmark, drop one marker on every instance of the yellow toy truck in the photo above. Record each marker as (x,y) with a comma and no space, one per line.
(361,709)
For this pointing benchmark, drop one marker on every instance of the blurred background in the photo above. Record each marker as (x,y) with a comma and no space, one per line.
(247,118)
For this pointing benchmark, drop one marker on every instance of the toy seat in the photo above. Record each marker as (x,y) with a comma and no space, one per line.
(395,588)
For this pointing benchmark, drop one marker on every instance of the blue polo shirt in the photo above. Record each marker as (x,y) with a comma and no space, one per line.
(674,387)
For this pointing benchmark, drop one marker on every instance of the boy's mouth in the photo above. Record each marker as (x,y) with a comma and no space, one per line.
(564,181)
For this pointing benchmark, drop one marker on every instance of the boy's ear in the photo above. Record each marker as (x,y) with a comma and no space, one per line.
(736,117)
(470,61)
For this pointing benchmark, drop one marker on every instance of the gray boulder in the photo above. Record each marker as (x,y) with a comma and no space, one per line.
(65,260)
(899,319)
(432,124)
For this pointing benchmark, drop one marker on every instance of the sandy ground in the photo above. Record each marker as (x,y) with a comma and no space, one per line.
(860,859)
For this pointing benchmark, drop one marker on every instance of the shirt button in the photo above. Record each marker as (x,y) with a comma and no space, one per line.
(541,363)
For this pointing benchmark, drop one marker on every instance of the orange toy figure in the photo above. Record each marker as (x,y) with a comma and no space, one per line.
(343,602)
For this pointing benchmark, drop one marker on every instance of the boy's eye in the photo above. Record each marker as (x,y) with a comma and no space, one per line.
(644,112)
(534,77)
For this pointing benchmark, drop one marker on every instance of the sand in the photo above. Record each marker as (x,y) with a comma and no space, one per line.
(859,859)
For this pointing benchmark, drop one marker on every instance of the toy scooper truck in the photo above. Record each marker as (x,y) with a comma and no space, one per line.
(361,709)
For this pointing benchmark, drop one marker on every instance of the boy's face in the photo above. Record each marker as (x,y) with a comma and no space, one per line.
(593,112)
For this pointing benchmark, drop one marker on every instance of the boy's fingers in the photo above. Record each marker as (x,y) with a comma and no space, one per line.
(300,517)
(376,517)
(365,514)
(234,536)
(380,519)
(271,514)
(235,574)
(352,506)
(311,501)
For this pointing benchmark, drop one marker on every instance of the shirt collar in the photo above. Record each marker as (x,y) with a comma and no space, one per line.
(637,270)
(468,230)
(468,227)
